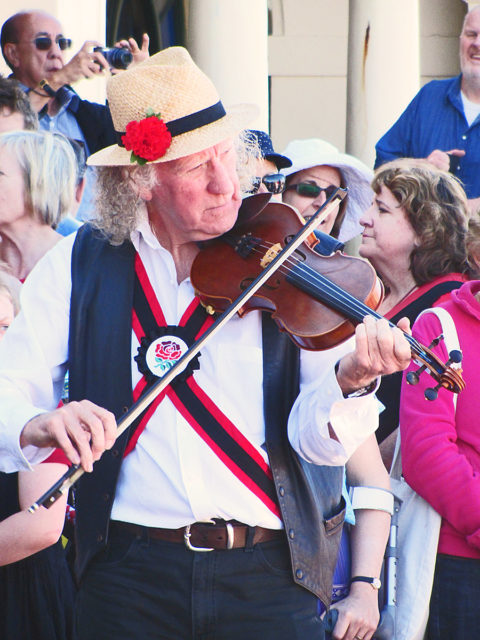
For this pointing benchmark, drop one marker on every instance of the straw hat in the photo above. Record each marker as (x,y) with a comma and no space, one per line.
(357,177)
(170,85)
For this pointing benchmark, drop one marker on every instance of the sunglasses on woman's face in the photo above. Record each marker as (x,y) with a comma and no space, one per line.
(311,190)
(43,43)
(274,183)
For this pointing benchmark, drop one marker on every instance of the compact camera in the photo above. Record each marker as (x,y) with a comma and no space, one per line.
(118,58)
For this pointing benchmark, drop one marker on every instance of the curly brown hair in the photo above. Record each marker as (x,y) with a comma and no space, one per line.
(437,209)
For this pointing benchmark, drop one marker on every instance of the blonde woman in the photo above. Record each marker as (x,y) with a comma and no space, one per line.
(37,182)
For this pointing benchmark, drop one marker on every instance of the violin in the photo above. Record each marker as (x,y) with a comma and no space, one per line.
(318,300)
(268,262)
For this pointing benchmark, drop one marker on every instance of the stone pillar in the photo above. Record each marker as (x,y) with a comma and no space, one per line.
(228,41)
(383,69)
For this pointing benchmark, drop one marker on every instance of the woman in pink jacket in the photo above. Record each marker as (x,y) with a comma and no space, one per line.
(441,462)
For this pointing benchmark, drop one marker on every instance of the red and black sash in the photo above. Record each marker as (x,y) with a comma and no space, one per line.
(208,421)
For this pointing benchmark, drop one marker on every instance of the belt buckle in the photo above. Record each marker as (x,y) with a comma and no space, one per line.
(187,535)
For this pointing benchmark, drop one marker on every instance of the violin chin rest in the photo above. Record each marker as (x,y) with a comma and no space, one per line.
(251,206)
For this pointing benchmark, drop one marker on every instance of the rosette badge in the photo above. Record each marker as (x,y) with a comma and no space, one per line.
(147,139)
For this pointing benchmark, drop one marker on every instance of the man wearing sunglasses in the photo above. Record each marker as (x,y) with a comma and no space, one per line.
(34,47)
(268,179)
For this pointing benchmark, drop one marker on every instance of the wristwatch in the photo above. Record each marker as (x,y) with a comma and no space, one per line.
(363,391)
(375,582)
(358,393)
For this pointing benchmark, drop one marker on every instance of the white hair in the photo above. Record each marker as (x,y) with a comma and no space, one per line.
(476,7)
(118,202)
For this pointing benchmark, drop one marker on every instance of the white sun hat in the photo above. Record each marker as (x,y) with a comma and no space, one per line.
(312,152)
(170,86)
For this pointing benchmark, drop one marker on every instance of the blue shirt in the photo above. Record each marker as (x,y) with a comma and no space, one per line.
(68,225)
(435,119)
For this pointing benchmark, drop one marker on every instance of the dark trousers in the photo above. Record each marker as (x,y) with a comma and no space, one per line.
(156,590)
(455,601)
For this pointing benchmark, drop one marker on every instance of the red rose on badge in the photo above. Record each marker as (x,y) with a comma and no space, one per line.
(168,350)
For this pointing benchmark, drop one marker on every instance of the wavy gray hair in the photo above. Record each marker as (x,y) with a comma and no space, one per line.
(118,202)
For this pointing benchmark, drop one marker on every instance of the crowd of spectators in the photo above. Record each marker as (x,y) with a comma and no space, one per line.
(257,446)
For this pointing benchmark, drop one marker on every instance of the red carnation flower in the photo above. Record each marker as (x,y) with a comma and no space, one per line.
(147,139)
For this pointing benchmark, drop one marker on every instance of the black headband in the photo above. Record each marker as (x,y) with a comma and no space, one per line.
(191,122)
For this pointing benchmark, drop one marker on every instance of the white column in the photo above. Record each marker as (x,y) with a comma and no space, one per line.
(88,22)
(228,41)
(383,69)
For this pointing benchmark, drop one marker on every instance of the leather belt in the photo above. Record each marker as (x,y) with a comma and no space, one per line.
(204,536)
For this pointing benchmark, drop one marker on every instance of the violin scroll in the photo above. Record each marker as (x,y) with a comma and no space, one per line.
(447,376)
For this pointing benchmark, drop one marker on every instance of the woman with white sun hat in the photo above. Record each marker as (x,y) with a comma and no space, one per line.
(317,166)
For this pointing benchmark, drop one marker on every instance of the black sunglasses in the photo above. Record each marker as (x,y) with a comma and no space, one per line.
(310,190)
(274,183)
(43,43)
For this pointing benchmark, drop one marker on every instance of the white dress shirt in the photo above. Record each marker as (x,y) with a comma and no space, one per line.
(172,477)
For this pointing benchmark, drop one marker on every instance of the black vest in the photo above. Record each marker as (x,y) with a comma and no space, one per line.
(100,369)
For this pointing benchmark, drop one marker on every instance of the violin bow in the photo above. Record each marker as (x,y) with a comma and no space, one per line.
(75,471)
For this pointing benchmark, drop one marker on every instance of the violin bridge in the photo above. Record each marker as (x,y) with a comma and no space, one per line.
(270,255)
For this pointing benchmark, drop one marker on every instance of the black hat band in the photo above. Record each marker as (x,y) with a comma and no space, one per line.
(189,123)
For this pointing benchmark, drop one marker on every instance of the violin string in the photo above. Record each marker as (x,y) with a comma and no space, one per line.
(329,287)
(342,298)
(349,302)
(345,301)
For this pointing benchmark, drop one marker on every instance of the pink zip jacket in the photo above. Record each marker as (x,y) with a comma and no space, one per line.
(441,446)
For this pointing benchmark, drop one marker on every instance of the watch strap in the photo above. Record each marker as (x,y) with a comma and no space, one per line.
(363,391)
(375,582)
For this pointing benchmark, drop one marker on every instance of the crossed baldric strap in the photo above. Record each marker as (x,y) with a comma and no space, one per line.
(160,347)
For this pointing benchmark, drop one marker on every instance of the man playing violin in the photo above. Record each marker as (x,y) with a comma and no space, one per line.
(218,513)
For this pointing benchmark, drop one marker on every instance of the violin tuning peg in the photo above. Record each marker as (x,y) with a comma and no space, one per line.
(436,341)
(431,393)
(455,357)
(413,377)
